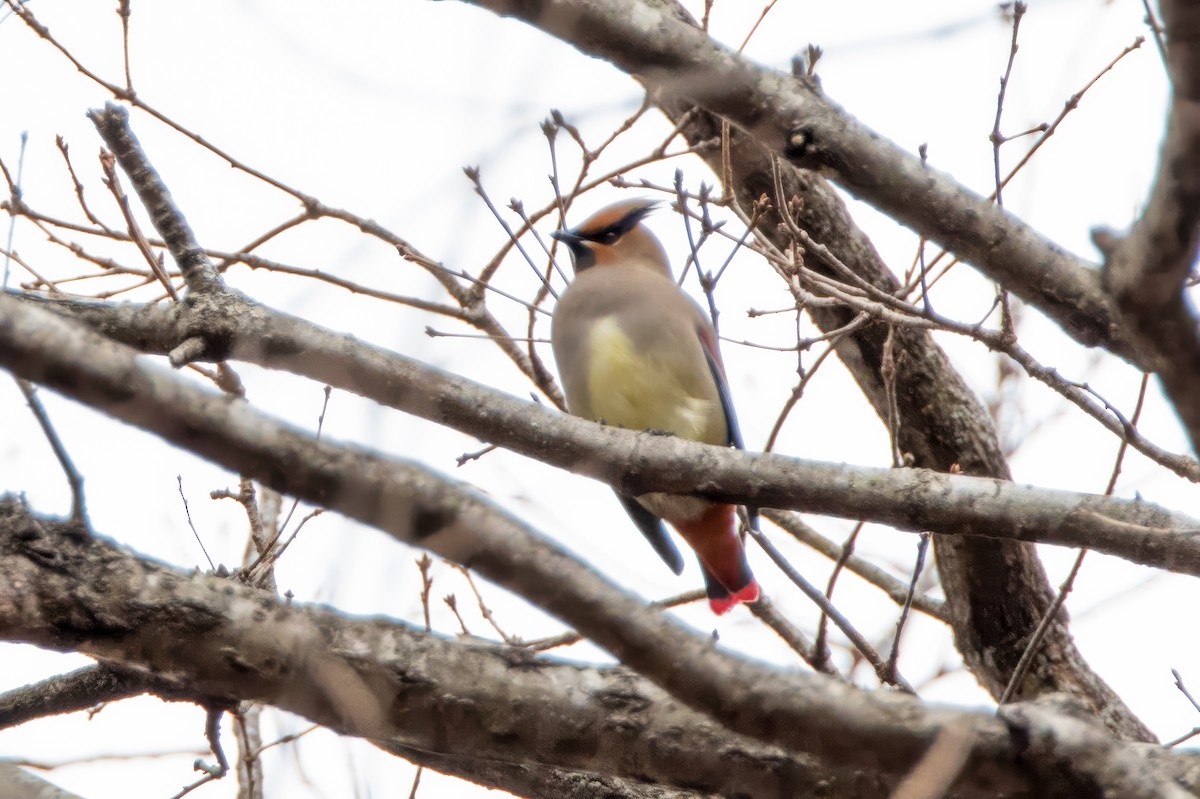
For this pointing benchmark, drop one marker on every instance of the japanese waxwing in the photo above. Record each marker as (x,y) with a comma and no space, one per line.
(634,351)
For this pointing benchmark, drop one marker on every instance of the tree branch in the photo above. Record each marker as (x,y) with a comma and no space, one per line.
(407,688)
(371,678)
(85,688)
(198,271)
(91,685)
(1056,738)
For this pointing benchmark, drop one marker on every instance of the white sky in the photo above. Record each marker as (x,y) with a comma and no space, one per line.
(376,107)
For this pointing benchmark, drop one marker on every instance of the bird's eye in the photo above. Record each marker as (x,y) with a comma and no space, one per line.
(609,236)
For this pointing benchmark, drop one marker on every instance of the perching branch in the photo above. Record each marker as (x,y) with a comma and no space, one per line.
(48,349)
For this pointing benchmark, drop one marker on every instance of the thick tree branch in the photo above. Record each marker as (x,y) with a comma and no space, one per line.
(407,689)
(371,678)
(537,781)
(88,686)
(1056,739)
(198,271)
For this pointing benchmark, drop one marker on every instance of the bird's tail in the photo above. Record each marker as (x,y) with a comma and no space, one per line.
(727,575)
(721,600)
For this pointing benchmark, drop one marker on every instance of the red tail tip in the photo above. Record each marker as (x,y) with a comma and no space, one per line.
(722,605)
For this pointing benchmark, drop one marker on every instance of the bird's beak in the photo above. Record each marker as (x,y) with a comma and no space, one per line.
(581,254)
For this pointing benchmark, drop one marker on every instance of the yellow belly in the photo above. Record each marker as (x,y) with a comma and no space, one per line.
(637,391)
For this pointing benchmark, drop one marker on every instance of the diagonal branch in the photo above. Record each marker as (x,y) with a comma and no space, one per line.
(198,271)
(85,688)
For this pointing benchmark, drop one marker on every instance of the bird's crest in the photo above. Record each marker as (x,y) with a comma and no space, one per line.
(610,224)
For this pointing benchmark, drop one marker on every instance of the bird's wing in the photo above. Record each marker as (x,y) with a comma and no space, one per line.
(708,339)
(652,527)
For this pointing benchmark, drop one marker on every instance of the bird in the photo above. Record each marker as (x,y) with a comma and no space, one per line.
(635,351)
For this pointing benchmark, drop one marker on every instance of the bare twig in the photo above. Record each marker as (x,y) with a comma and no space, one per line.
(997,138)
(124,11)
(412,793)
(212,732)
(569,638)
(65,150)
(922,548)
(472,173)
(14,190)
(247,731)
(1047,130)
(896,590)
(1156,29)
(74,478)
(1071,104)
(861,644)
(452,603)
(766,10)
(484,610)
(188,513)
(768,613)
(1188,694)
(423,564)
(1035,641)
(820,648)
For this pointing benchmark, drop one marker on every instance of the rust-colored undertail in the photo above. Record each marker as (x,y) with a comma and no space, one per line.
(715,539)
